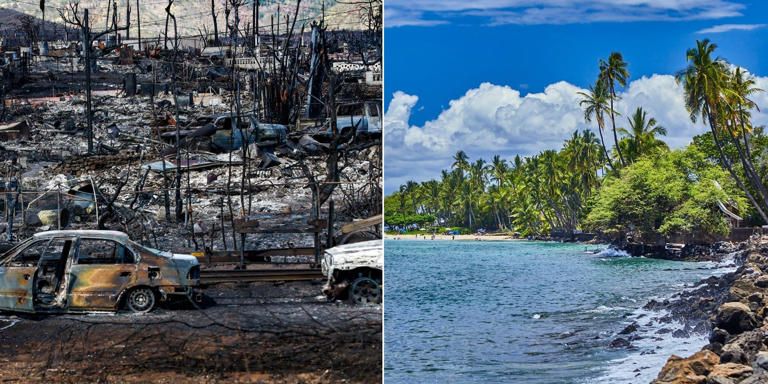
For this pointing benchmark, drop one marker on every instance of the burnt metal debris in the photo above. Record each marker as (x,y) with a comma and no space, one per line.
(86,270)
(137,167)
(246,147)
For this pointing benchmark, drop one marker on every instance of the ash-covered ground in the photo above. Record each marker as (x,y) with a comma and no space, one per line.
(128,181)
(259,332)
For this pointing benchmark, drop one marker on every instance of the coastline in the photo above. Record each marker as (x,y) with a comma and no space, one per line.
(728,311)
(733,311)
(487,237)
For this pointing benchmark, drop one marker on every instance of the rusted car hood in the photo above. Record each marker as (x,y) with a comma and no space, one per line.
(350,256)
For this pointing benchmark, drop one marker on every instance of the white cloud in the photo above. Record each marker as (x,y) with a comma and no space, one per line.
(400,17)
(731,27)
(432,12)
(494,119)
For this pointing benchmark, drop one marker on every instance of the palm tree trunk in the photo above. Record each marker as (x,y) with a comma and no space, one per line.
(749,170)
(605,150)
(727,164)
(613,125)
(746,135)
(469,217)
(749,157)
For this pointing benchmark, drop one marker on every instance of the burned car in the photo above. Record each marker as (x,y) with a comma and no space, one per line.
(354,272)
(362,117)
(366,117)
(219,133)
(84,270)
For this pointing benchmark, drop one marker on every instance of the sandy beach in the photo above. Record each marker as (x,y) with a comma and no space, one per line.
(487,237)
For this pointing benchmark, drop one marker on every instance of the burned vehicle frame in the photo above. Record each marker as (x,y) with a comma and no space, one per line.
(354,272)
(220,133)
(82,270)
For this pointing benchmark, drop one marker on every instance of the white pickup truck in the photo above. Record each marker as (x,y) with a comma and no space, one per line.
(354,272)
(366,116)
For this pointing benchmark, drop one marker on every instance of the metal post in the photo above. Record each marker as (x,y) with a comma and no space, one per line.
(21,197)
(87,47)
(316,216)
(58,208)
(329,241)
(242,251)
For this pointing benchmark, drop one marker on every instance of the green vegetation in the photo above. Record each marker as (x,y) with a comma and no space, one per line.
(637,187)
(673,193)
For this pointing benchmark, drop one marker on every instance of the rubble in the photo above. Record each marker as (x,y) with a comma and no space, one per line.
(230,151)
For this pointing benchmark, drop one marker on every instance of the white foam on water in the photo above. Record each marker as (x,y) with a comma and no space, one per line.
(612,252)
(650,353)
(604,309)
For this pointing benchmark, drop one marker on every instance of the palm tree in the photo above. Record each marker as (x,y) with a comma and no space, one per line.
(744,87)
(498,169)
(460,161)
(705,82)
(612,72)
(595,103)
(736,116)
(641,137)
(411,189)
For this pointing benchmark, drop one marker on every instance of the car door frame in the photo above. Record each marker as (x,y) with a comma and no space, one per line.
(100,286)
(64,276)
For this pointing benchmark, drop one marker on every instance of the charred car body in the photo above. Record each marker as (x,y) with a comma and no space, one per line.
(219,133)
(362,117)
(366,117)
(354,272)
(79,271)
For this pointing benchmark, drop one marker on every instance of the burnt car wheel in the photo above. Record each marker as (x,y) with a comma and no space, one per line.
(141,300)
(365,290)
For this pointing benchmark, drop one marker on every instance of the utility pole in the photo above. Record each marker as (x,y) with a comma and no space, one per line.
(42,27)
(127,19)
(138,21)
(255,25)
(87,47)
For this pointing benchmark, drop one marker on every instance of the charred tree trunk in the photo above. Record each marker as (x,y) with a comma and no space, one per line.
(138,21)
(215,25)
(128,19)
(177,180)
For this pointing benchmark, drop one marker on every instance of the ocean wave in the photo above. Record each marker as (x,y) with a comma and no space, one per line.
(604,309)
(653,343)
(612,252)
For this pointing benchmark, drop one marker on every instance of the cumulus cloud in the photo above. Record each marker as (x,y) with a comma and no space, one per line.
(431,12)
(496,119)
(731,27)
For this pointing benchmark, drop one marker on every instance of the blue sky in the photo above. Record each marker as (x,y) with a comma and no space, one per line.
(501,76)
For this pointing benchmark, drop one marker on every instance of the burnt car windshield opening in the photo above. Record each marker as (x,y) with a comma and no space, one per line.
(99,251)
(350,110)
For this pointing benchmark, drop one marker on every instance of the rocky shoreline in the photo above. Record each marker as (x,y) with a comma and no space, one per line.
(733,309)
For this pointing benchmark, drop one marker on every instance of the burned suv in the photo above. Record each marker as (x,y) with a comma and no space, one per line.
(78,271)
(354,272)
